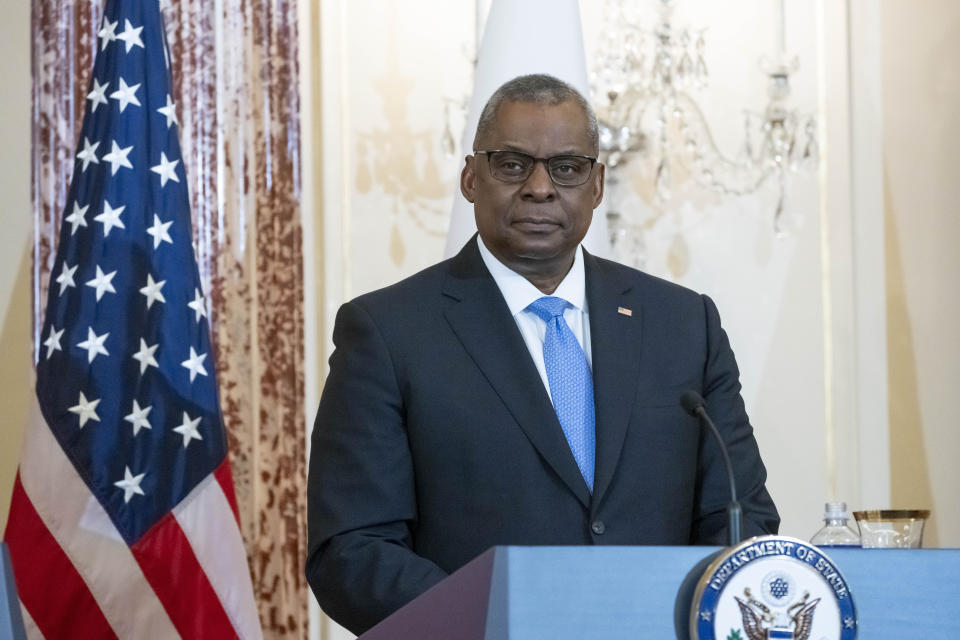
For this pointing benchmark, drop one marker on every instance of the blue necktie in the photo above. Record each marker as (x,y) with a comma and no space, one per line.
(571,383)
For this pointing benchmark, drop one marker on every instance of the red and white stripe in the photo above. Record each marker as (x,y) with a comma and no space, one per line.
(186,578)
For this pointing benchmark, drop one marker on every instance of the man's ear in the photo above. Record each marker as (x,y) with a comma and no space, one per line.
(598,186)
(468,178)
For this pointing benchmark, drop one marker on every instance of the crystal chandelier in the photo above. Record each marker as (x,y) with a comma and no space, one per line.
(643,86)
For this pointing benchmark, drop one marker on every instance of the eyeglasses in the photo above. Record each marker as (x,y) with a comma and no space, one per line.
(515,167)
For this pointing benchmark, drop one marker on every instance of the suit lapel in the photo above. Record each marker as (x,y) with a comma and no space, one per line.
(615,343)
(482,322)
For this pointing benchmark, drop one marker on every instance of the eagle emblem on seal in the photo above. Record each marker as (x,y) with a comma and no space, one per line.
(762,622)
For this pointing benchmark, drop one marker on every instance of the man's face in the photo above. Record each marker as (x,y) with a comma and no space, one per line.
(534,226)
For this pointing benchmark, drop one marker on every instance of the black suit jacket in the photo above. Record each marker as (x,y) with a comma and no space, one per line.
(435,438)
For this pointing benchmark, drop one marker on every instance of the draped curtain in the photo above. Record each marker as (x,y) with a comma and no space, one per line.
(235,75)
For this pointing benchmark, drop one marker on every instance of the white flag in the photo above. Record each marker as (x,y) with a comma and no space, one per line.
(532,36)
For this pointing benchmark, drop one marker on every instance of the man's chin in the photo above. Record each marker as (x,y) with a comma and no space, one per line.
(539,252)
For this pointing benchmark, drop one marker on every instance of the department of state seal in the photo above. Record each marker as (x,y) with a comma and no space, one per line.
(773,587)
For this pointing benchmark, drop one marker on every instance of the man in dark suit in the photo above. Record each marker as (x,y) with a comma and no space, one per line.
(523,392)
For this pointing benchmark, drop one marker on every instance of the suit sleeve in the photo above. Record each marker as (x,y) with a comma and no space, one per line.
(361,498)
(721,391)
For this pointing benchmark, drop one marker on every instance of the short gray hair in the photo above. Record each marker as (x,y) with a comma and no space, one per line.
(537,88)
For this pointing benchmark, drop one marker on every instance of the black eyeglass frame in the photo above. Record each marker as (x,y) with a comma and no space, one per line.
(546,165)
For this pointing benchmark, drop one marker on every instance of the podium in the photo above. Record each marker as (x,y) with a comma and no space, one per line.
(578,593)
(11,620)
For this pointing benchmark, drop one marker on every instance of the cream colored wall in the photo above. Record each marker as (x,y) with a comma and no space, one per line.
(15,357)
(921,91)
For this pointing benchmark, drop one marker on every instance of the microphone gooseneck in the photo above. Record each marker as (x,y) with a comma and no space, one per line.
(694,404)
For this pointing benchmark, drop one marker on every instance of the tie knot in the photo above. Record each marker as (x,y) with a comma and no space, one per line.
(548,307)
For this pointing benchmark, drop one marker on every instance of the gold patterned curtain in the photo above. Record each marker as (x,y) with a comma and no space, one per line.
(235,79)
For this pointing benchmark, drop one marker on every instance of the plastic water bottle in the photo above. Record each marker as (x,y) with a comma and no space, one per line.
(836,533)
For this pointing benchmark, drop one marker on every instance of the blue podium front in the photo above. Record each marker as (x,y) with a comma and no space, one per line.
(578,593)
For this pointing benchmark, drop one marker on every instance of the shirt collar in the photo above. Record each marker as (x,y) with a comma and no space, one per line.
(519,293)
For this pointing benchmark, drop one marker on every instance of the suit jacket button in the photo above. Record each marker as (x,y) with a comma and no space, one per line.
(598,527)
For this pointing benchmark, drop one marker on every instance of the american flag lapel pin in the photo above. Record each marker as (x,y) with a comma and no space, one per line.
(625,311)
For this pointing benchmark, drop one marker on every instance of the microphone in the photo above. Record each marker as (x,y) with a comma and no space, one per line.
(694,405)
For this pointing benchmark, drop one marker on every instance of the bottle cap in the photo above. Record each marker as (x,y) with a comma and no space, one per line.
(835,510)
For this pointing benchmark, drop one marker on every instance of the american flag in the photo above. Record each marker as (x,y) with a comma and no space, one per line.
(123,521)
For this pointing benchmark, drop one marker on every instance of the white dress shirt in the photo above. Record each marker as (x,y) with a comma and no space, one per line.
(519,293)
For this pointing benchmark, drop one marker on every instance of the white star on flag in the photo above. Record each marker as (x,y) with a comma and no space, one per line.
(102,282)
(194,364)
(98,96)
(189,429)
(87,410)
(130,484)
(169,111)
(126,95)
(107,33)
(199,304)
(130,36)
(159,231)
(167,169)
(94,345)
(152,291)
(52,343)
(88,155)
(118,157)
(77,218)
(145,356)
(65,279)
(138,417)
(110,218)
